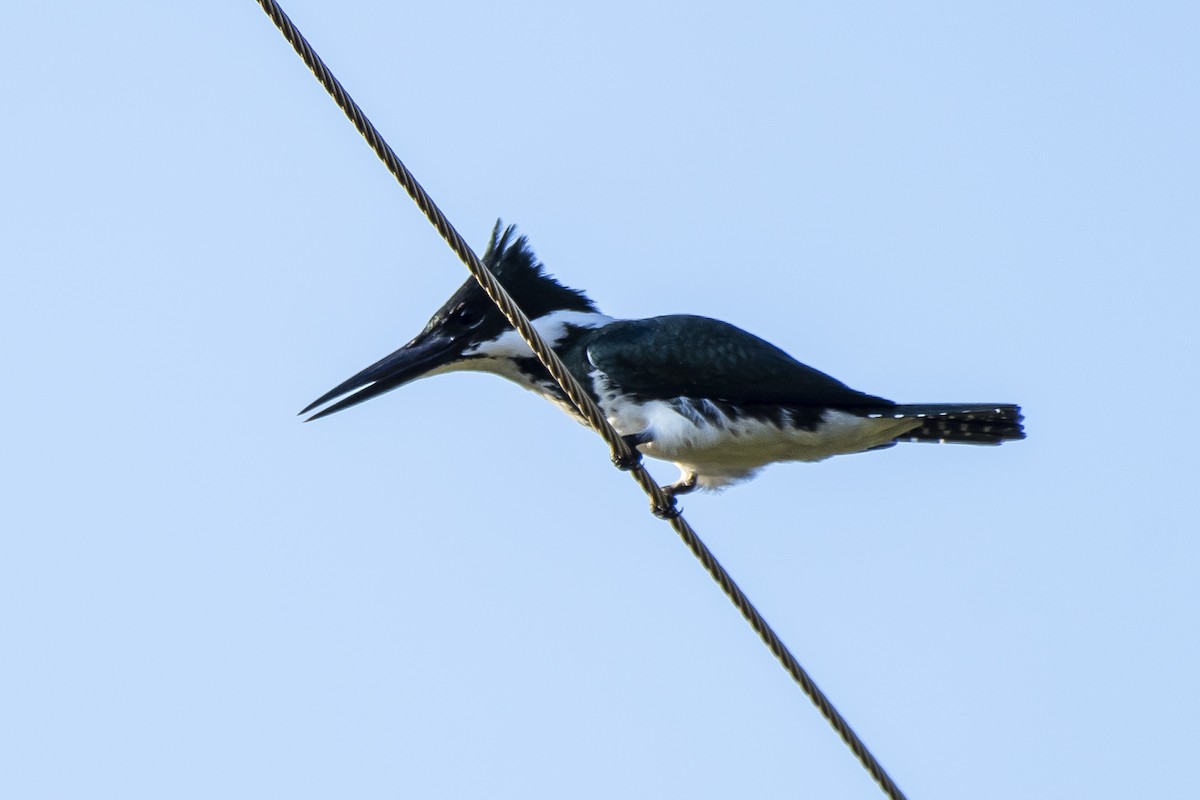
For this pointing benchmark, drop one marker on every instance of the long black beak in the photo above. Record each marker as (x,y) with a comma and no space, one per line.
(418,357)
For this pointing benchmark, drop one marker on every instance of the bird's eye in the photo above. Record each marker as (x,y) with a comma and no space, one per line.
(467,318)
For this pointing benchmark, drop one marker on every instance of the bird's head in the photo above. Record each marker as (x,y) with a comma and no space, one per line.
(463,328)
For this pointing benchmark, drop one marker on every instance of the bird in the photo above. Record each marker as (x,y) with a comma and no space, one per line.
(718,402)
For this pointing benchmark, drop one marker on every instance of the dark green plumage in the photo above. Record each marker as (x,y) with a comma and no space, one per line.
(665,357)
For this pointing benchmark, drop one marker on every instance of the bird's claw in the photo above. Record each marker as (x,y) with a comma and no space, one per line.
(669,511)
(626,463)
(672,510)
(634,459)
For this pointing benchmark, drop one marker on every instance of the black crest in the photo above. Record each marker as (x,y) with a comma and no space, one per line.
(513,262)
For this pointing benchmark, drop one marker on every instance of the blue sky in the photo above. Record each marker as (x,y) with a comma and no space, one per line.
(449,592)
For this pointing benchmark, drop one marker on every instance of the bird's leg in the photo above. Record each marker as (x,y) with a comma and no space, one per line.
(682,486)
(685,485)
(633,440)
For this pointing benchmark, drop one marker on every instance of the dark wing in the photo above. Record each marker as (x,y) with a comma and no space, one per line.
(683,355)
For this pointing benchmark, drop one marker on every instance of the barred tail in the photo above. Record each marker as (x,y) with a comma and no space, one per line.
(970,423)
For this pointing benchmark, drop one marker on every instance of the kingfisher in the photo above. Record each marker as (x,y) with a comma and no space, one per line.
(718,402)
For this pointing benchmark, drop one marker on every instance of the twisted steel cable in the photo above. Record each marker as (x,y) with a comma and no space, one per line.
(622,454)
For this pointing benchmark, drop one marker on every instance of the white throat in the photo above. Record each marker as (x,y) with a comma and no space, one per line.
(552,327)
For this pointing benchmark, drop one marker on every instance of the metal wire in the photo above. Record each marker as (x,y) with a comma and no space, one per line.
(622,453)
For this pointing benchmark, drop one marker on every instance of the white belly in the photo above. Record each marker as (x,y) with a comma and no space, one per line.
(720,451)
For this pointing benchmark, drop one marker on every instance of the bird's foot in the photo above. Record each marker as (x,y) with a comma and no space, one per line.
(672,510)
(635,459)
(626,463)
